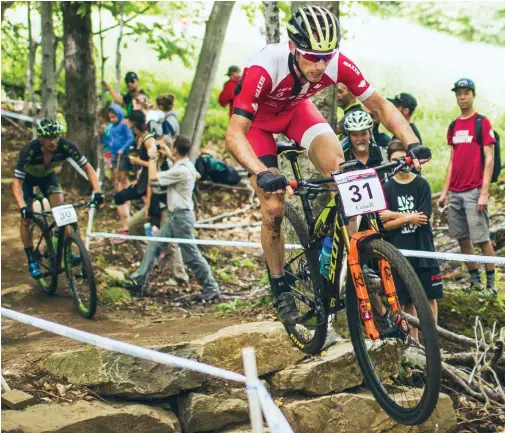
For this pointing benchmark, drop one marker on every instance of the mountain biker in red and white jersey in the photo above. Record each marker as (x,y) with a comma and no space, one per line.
(273,97)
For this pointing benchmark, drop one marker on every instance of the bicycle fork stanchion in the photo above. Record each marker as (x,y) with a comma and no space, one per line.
(251,373)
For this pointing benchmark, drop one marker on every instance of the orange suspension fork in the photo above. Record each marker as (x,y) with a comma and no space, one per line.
(389,285)
(365,306)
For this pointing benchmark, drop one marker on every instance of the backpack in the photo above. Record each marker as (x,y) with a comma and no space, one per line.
(168,125)
(217,171)
(478,132)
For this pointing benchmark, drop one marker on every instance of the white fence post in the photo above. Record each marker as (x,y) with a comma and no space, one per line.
(251,373)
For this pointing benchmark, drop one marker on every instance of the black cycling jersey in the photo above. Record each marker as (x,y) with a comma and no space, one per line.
(31,159)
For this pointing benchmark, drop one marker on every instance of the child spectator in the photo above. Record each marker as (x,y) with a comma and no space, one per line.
(170,125)
(121,138)
(407,223)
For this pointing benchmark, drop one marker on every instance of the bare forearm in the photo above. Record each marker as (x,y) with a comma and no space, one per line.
(398,222)
(239,147)
(153,174)
(488,172)
(92,177)
(17,191)
(116,96)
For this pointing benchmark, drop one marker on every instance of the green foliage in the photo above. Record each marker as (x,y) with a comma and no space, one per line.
(228,307)
(115,295)
(467,21)
(245,263)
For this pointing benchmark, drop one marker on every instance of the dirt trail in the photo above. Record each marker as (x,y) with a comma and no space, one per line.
(23,345)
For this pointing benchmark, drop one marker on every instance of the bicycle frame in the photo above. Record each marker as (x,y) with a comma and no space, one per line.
(333,222)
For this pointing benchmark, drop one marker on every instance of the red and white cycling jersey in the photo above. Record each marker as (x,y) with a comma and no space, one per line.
(267,83)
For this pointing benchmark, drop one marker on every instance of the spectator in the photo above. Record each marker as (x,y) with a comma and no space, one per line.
(466,187)
(132,83)
(358,127)
(138,189)
(170,126)
(408,226)
(180,180)
(227,95)
(406,104)
(153,117)
(121,138)
(104,134)
(347,102)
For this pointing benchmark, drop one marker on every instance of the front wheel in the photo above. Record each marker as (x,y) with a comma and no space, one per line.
(80,275)
(301,268)
(402,373)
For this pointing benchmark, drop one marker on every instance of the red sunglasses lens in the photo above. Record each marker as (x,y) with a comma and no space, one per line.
(314,58)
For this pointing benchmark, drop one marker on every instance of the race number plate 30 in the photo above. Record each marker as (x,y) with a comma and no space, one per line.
(361,192)
(64,215)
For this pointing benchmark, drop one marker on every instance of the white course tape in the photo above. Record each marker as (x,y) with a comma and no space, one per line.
(273,415)
(17,116)
(407,253)
(121,347)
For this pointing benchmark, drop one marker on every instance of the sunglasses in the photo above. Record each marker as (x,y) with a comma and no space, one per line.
(130,81)
(315,57)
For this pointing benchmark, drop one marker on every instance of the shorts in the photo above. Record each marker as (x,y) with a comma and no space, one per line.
(431,280)
(124,162)
(464,219)
(127,194)
(301,124)
(48,185)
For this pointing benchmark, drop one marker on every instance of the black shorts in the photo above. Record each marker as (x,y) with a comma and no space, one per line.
(127,194)
(48,185)
(431,280)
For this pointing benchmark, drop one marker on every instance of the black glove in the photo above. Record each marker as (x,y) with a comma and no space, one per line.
(270,182)
(97,199)
(26,213)
(418,151)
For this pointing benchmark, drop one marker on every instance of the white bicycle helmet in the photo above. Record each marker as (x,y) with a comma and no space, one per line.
(357,121)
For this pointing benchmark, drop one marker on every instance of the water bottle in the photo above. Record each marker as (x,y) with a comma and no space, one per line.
(148,229)
(325,259)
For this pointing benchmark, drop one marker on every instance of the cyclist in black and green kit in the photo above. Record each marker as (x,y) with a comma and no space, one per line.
(35,167)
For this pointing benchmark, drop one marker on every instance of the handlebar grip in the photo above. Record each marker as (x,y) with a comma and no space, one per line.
(293,184)
(409,160)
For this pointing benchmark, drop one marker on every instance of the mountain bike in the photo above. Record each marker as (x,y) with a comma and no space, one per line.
(402,373)
(59,242)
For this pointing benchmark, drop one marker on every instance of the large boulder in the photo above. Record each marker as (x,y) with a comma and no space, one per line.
(122,375)
(89,417)
(201,412)
(274,349)
(359,413)
(336,371)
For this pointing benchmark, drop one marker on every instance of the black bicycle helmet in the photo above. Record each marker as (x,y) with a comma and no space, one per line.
(48,127)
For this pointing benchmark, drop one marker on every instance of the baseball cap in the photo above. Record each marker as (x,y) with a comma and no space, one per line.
(464,83)
(232,69)
(405,100)
(130,76)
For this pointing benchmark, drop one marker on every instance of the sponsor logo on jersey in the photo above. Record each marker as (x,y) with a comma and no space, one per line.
(491,133)
(255,106)
(259,86)
(351,66)
(362,84)
(317,86)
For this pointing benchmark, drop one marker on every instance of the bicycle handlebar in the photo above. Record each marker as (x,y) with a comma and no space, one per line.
(314,183)
(76,206)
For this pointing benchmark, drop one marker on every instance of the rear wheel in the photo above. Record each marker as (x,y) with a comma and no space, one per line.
(80,275)
(403,375)
(302,271)
(45,256)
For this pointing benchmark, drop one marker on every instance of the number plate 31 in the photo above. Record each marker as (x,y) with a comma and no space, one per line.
(361,192)
(64,215)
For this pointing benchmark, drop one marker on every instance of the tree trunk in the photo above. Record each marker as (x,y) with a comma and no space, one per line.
(30,106)
(49,101)
(271,12)
(118,47)
(103,59)
(80,84)
(198,102)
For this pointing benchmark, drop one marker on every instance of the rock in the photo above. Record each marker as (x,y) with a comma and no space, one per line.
(94,417)
(16,399)
(336,371)
(243,428)
(122,375)
(274,349)
(360,413)
(115,274)
(16,294)
(201,412)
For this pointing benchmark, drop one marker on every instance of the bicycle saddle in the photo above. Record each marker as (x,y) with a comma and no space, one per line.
(288,146)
